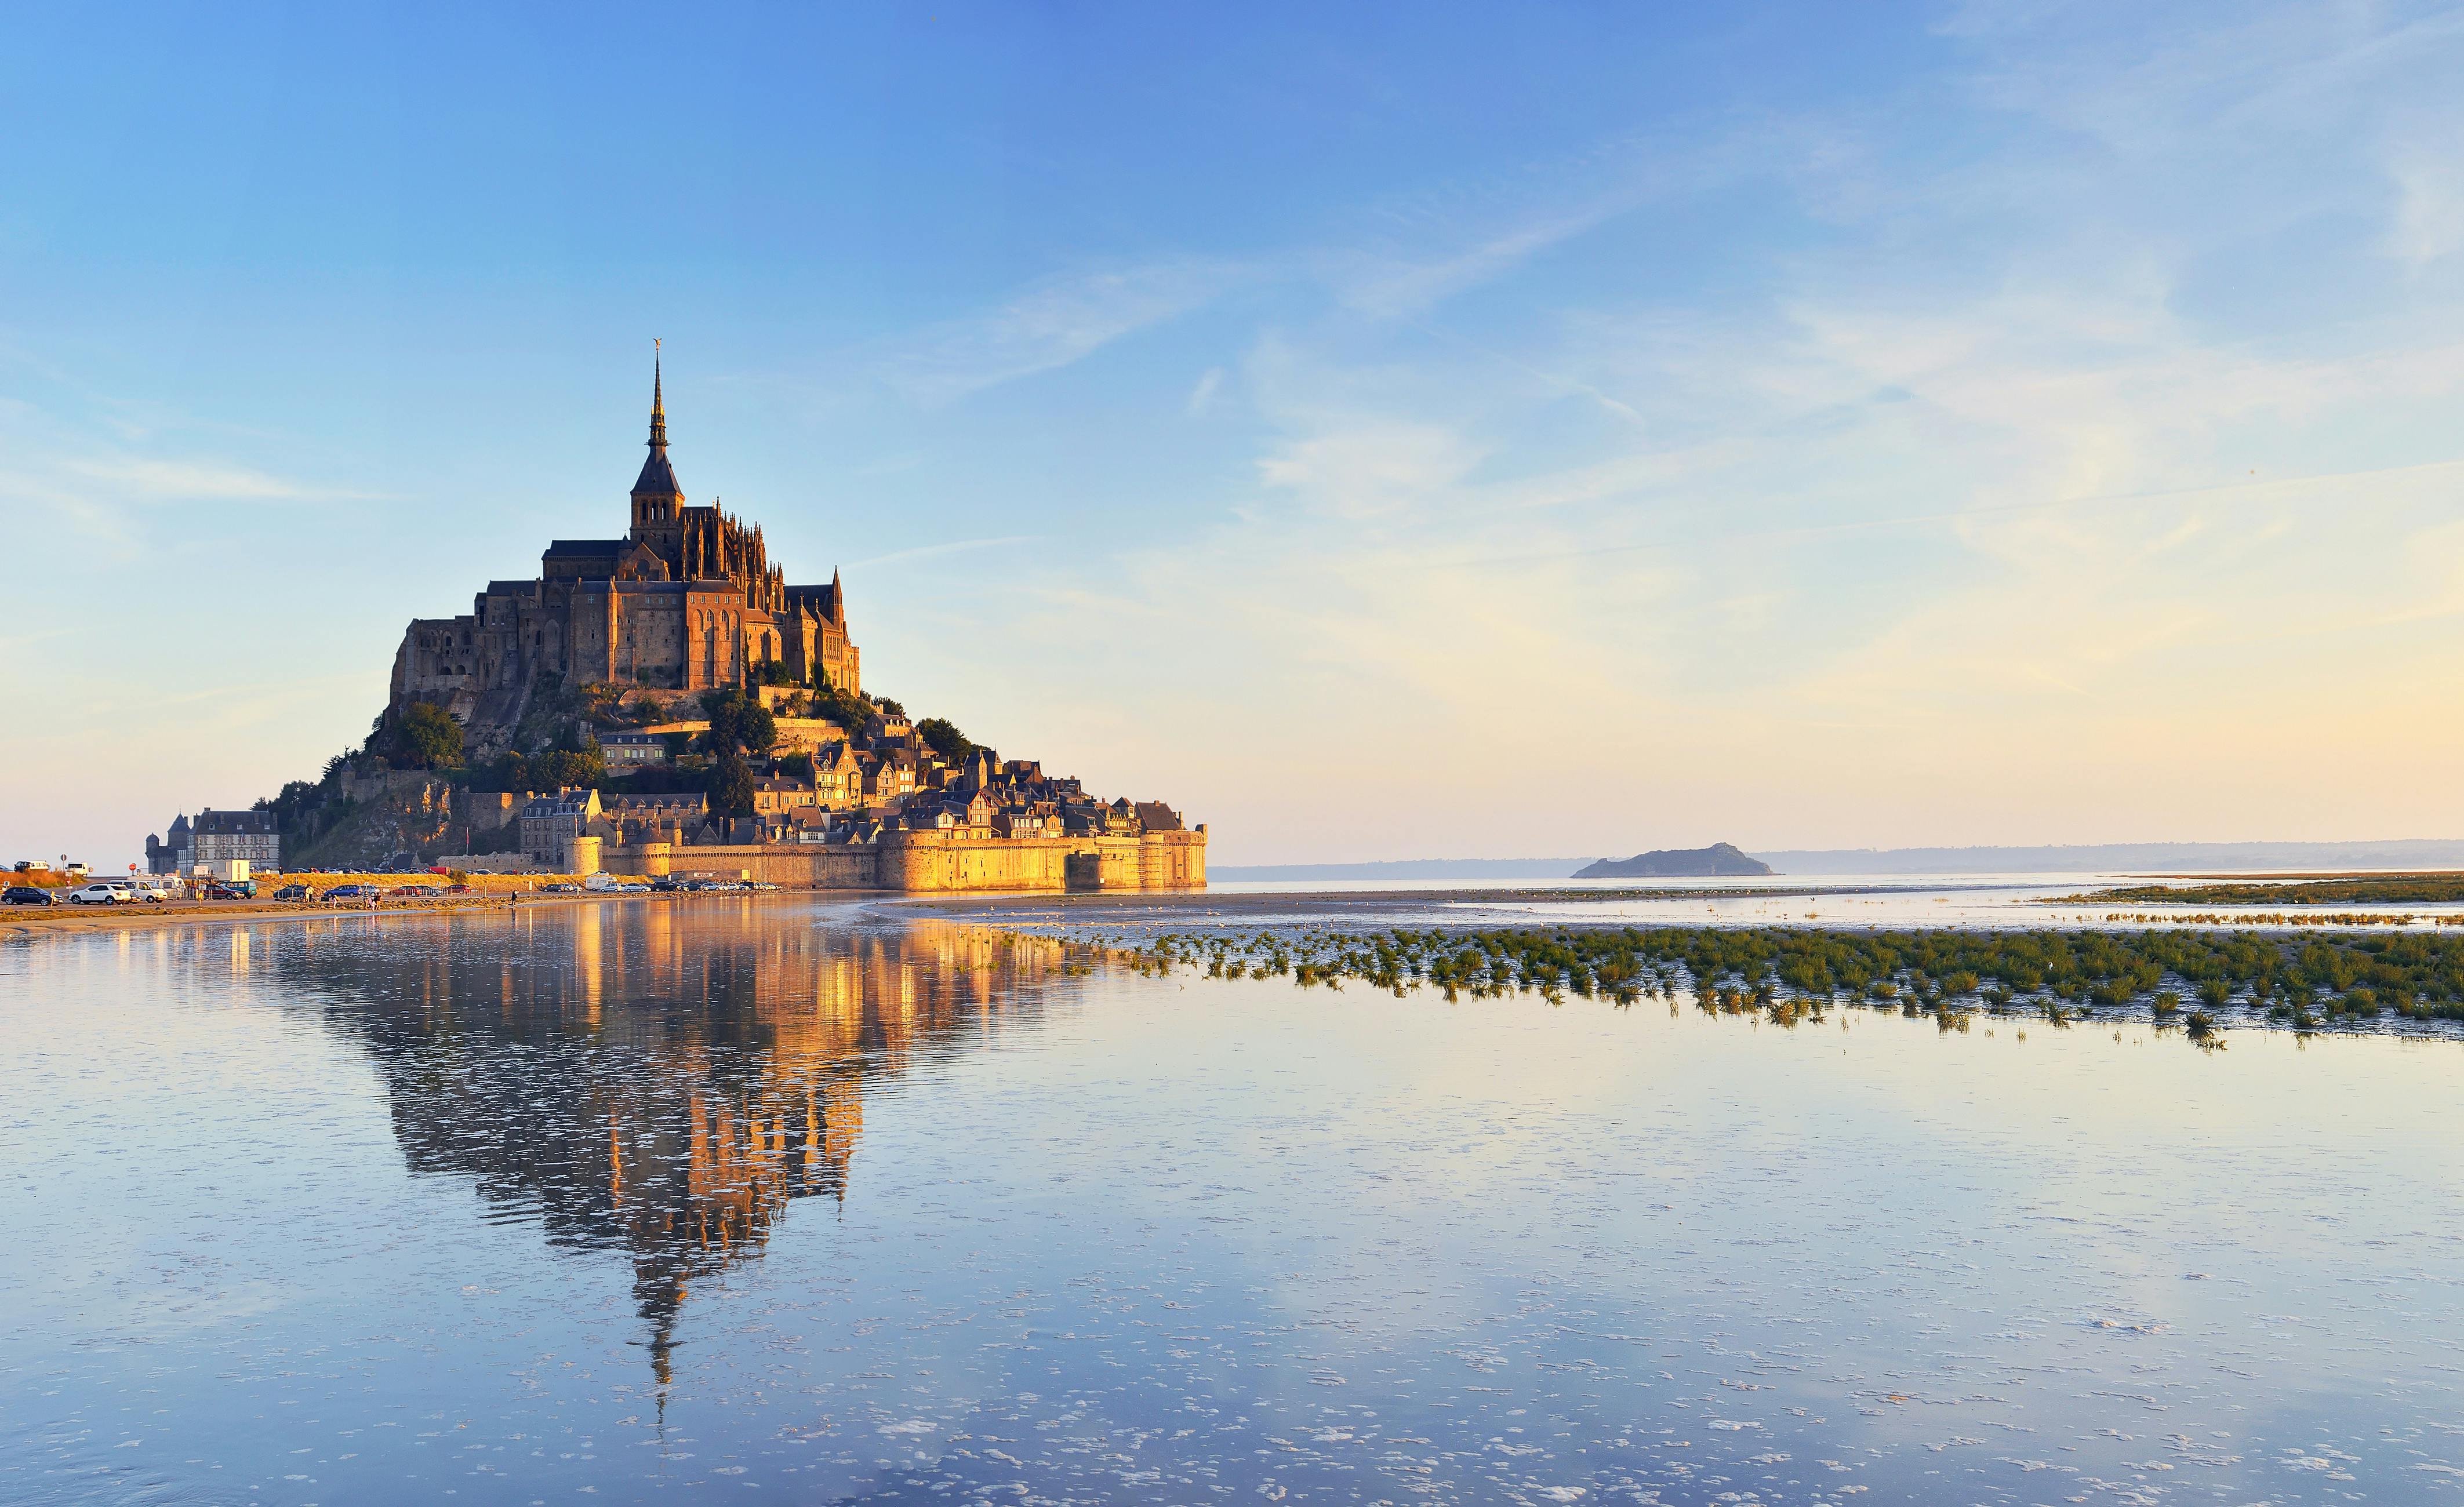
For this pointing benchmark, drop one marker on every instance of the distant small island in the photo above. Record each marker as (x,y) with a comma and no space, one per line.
(1719,859)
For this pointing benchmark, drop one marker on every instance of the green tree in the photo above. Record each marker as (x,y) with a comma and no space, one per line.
(731,786)
(427,737)
(847,710)
(738,723)
(507,771)
(945,739)
(559,768)
(755,728)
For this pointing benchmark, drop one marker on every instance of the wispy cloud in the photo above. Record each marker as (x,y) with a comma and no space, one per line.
(2429,223)
(203,481)
(1393,287)
(1051,326)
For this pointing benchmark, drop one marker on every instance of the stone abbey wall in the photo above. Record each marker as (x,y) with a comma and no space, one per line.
(687,599)
(924,863)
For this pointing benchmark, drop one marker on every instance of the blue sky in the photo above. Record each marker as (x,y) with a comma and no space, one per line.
(1384,432)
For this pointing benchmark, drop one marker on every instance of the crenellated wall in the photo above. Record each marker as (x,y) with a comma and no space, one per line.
(929,862)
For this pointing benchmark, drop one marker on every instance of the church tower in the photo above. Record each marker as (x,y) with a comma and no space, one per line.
(658,500)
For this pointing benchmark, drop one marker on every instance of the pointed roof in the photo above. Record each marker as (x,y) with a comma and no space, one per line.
(659,478)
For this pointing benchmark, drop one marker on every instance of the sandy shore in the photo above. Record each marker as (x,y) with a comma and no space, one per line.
(34,921)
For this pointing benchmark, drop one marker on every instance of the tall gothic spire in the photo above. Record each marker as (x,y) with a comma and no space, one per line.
(659,478)
(658,403)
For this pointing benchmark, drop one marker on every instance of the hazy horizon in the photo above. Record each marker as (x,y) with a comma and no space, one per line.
(1922,425)
(1980,858)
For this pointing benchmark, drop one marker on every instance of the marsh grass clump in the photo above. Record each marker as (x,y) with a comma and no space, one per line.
(2368,889)
(1788,976)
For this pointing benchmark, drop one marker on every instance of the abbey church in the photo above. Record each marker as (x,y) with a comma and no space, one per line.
(687,601)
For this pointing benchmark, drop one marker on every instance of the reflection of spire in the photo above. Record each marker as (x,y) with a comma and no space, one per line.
(661,1298)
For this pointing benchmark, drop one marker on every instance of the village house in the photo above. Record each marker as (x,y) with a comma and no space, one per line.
(891,777)
(630,750)
(1027,821)
(838,777)
(216,837)
(549,822)
(777,795)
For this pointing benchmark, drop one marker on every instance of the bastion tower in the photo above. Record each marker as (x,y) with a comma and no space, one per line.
(688,600)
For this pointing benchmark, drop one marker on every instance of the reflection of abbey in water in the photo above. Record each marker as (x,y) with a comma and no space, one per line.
(650,1080)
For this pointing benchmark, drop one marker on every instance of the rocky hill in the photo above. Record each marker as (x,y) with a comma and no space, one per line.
(1719,860)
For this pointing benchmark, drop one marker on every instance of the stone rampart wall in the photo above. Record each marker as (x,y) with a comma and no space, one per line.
(931,862)
(494,864)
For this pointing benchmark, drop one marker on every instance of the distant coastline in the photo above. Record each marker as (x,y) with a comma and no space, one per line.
(2117,858)
(2108,857)
(1407,868)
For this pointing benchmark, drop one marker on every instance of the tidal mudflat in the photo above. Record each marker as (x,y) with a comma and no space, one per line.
(657,1200)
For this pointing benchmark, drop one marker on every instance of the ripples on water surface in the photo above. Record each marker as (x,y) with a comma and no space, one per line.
(654,1200)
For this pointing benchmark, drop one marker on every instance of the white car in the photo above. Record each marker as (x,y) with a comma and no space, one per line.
(102,895)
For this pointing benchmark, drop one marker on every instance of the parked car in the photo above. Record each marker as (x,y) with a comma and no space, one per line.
(231,890)
(560,889)
(666,886)
(292,892)
(102,895)
(30,895)
(349,892)
(409,890)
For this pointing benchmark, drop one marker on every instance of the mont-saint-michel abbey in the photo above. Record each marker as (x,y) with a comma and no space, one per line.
(688,600)
(629,648)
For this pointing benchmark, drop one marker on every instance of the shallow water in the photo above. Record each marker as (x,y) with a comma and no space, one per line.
(1975,901)
(650,1199)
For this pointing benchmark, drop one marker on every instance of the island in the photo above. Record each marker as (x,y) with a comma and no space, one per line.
(1719,860)
(666,703)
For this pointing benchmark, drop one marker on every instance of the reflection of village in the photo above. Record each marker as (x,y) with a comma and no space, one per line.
(652,1078)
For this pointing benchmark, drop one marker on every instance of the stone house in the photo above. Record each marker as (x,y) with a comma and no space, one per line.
(1027,821)
(838,777)
(890,776)
(551,821)
(214,836)
(625,751)
(777,795)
